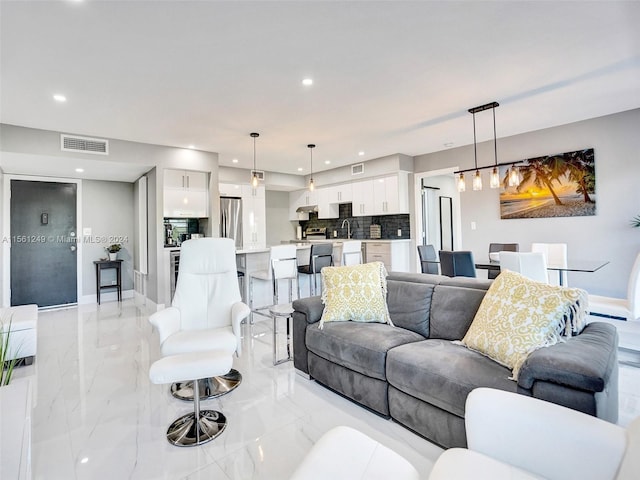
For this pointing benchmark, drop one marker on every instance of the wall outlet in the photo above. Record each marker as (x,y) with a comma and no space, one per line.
(335,233)
(399,232)
(473,225)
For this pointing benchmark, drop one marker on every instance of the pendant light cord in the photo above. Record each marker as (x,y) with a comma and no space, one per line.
(495,141)
(475,148)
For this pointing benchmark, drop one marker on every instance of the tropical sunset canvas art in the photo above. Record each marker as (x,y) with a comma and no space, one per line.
(559,185)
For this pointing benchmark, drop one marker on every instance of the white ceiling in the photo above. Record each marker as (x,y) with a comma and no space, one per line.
(389,77)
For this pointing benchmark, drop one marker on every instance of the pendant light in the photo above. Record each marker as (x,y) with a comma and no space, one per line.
(311,146)
(477,179)
(494,181)
(514,176)
(254,173)
(462,186)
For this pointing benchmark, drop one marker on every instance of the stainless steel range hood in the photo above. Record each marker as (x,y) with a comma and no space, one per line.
(307,209)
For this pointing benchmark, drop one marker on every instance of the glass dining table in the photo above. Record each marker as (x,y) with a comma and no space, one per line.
(588,266)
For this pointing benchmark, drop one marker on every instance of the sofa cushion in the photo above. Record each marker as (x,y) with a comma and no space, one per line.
(519,315)
(443,373)
(453,306)
(355,293)
(362,347)
(409,305)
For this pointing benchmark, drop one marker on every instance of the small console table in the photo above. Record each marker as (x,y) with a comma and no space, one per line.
(102,265)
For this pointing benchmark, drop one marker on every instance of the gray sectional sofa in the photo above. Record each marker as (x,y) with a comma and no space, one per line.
(414,373)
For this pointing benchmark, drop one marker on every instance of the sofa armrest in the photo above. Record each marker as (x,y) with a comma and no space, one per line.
(306,312)
(584,362)
(540,437)
(311,307)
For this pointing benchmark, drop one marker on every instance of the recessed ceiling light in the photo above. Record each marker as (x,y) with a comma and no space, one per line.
(299,169)
(327,162)
(59,98)
(79,170)
(361,153)
(84,460)
(191,147)
(235,160)
(307,82)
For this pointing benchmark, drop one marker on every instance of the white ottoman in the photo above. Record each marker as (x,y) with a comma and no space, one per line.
(346,454)
(23,340)
(201,426)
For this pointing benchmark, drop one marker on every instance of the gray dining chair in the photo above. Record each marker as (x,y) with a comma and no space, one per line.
(428,259)
(457,264)
(500,247)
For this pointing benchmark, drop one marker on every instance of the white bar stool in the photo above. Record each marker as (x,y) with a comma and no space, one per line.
(352,252)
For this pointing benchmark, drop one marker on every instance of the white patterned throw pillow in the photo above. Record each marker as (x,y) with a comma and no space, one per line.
(518,315)
(355,293)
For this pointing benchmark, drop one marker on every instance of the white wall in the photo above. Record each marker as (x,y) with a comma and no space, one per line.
(279,228)
(607,235)
(107,208)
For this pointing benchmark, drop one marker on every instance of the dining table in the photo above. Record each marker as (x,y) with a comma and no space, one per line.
(588,266)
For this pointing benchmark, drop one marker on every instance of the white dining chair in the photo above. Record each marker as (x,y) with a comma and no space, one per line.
(529,264)
(627,308)
(556,256)
(351,252)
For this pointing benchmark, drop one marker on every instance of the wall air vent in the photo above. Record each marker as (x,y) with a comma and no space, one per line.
(258,173)
(357,169)
(72,143)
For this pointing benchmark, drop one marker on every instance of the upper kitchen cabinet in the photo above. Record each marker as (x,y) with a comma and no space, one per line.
(338,193)
(230,190)
(381,196)
(301,198)
(186,194)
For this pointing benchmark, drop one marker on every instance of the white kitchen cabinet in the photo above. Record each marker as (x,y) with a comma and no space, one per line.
(254,217)
(394,254)
(326,209)
(301,198)
(230,190)
(339,193)
(362,198)
(186,194)
(382,196)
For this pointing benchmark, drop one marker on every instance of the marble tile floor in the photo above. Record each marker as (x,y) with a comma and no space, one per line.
(97,416)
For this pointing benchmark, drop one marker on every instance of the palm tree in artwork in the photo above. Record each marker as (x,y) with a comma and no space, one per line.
(543,171)
(581,169)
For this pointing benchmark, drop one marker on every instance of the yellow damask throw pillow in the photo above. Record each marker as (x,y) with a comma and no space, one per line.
(519,315)
(355,293)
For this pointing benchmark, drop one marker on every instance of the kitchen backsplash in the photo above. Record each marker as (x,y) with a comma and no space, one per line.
(390,224)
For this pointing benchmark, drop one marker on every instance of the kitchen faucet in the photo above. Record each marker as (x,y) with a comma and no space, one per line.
(348,227)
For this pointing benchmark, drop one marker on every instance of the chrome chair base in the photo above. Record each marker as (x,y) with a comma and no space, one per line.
(187,432)
(209,387)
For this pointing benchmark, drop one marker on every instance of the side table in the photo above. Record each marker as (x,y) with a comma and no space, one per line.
(102,265)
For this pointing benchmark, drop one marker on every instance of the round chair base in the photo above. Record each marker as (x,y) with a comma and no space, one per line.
(186,432)
(209,387)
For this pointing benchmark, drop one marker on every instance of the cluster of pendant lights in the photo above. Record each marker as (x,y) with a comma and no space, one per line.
(494,179)
(254,173)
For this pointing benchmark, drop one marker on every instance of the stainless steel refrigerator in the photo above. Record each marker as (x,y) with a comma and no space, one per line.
(231,219)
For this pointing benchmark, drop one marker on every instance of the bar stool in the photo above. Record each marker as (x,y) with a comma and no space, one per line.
(282,266)
(285,311)
(320,256)
(352,252)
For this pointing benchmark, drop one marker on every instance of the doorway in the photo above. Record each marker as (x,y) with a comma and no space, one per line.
(44,244)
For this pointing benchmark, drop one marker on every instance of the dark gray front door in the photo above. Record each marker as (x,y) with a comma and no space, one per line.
(43,243)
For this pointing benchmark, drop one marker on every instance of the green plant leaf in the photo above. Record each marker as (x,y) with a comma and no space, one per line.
(636,222)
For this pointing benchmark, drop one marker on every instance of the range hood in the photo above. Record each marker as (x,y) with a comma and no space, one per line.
(307,209)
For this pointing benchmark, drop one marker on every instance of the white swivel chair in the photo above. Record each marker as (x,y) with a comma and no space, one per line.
(351,252)
(628,308)
(206,312)
(529,264)
(512,436)
(282,267)
(556,256)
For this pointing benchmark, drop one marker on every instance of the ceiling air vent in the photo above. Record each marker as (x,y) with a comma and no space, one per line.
(70,143)
(258,173)
(357,169)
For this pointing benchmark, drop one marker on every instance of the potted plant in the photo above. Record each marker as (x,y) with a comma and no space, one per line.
(6,365)
(636,222)
(113,251)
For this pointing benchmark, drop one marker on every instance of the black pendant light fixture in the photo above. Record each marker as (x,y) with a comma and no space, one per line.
(254,173)
(311,146)
(494,180)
